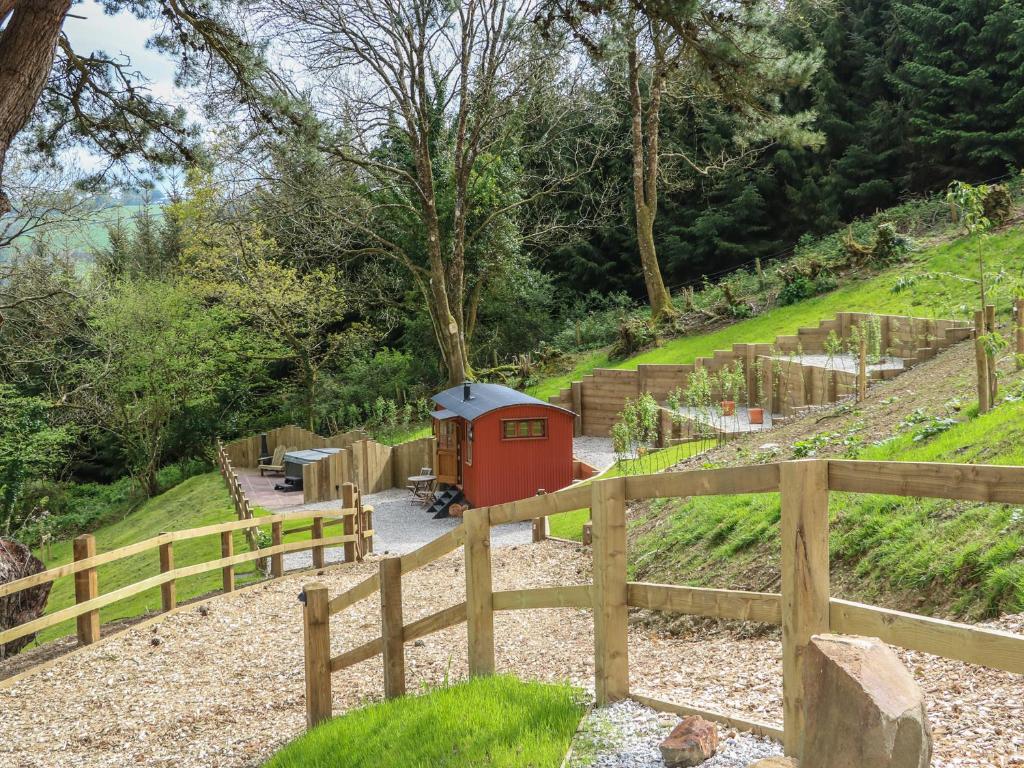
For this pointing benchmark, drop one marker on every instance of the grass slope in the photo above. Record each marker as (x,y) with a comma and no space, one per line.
(201,500)
(498,722)
(942,287)
(569,525)
(926,555)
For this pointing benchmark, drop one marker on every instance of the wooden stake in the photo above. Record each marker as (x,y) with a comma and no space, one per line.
(540,530)
(611,651)
(391,631)
(993,381)
(87,587)
(803,486)
(1019,326)
(277,561)
(479,608)
(318,533)
(862,370)
(317,640)
(227,549)
(348,501)
(981,361)
(168,596)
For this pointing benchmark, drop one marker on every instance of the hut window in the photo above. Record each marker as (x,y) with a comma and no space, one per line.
(520,429)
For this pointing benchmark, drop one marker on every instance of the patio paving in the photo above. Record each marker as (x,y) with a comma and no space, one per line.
(260,491)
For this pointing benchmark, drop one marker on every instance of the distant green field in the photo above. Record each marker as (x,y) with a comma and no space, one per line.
(85,237)
(940,285)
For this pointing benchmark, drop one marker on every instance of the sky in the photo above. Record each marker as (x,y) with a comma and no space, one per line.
(120,35)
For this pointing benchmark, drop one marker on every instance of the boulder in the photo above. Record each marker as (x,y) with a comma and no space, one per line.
(774,762)
(862,707)
(691,742)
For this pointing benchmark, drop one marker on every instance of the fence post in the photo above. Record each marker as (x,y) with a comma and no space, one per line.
(391,631)
(981,361)
(316,631)
(227,549)
(318,533)
(803,487)
(168,596)
(348,501)
(479,608)
(87,587)
(540,525)
(367,513)
(611,646)
(277,559)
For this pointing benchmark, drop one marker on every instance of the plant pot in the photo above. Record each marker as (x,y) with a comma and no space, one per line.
(756,415)
(728,407)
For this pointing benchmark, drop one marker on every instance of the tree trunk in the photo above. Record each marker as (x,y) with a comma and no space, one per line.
(645,185)
(657,293)
(27,48)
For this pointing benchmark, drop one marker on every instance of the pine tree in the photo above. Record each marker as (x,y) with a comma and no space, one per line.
(961,78)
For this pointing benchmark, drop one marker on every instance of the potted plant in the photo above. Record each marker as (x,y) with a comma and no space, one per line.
(756,412)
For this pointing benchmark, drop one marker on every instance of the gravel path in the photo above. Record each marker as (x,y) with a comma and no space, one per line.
(595,451)
(627,735)
(225,689)
(400,525)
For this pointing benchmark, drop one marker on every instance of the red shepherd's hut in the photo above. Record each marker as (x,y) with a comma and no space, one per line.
(499,445)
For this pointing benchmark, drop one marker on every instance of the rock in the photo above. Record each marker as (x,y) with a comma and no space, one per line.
(862,707)
(774,762)
(17,562)
(691,742)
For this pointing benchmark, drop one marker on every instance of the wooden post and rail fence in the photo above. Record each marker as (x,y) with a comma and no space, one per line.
(356,539)
(803,607)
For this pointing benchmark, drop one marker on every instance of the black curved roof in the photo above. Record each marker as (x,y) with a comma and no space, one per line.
(484,398)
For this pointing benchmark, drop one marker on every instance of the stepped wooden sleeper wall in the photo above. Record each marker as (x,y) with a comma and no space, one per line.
(599,397)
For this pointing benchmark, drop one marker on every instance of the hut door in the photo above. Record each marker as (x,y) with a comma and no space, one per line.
(448,464)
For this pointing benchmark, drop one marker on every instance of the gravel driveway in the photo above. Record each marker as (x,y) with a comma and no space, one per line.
(225,690)
(595,451)
(400,525)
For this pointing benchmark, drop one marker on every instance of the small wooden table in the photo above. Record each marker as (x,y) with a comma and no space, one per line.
(423,487)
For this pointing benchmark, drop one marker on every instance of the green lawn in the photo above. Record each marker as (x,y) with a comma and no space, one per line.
(569,525)
(198,501)
(498,722)
(957,557)
(941,287)
(201,500)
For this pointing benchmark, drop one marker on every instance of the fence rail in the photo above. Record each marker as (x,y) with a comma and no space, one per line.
(803,607)
(356,538)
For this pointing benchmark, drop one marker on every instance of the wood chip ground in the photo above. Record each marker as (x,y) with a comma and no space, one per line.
(226,689)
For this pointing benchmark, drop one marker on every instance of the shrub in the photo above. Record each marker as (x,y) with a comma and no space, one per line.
(634,334)
(997,203)
(802,287)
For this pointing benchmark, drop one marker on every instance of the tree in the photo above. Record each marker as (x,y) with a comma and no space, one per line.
(961,80)
(295,310)
(698,52)
(63,97)
(32,446)
(428,105)
(159,357)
